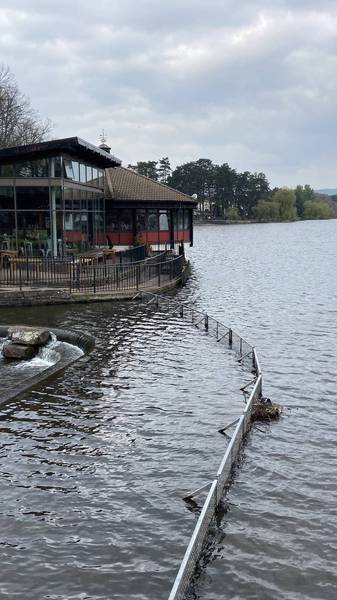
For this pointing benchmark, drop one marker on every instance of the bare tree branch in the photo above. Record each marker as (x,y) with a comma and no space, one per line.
(19,122)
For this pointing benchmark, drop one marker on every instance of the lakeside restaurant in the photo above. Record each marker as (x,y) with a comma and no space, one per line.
(70,197)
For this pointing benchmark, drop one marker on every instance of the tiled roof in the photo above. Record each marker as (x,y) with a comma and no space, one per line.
(126,184)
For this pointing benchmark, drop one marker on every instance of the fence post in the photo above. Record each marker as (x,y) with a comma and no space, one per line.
(137,276)
(230,338)
(159,266)
(70,274)
(206,322)
(20,278)
(94,279)
(253,360)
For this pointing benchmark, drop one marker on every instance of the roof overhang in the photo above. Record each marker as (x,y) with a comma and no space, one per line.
(73,146)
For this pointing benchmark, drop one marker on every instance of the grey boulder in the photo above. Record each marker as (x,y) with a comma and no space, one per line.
(18,351)
(28,336)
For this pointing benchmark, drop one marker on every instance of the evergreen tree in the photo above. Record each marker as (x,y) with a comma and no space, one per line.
(147,168)
(303,195)
(164,169)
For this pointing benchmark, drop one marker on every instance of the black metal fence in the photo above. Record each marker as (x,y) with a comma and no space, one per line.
(131,254)
(87,274)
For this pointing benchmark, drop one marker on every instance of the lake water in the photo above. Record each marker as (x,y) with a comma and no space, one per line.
(93,464)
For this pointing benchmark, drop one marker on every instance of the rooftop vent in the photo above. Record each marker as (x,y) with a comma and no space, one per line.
(103,145)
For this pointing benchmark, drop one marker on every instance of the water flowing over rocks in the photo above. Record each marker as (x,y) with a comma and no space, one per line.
(24,342)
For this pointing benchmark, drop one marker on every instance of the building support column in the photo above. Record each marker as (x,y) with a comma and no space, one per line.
(53,225)
(191,226)
(171,229)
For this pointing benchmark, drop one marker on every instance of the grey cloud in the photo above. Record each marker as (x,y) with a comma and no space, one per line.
(250,83)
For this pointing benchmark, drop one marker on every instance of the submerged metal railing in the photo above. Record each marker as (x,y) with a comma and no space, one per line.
(252,392)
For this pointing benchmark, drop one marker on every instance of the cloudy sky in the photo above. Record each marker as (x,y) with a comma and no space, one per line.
(252,83)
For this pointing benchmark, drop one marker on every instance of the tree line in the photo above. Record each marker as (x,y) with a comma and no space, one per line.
(225,193)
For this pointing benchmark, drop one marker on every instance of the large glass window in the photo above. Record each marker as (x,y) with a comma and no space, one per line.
(97,202)
(100,178)
(180,219)
(6,171)
(68,169)
(32,198)
(99,221)
(175,220)
(7,230)
(95,176)
(57,166)
(83,197)
(76,199)
(89,174)
(141,224)
(76,170)
(153,220)
(58,197)
(126,220)
(32,168)
(83,175)
(6,198)
(90,200)
(112,220)
(34,235)
(68,198)
(68,221)
(186,219)
(163,220)
(34,221)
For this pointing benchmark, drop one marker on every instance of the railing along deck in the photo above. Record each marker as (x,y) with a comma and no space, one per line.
(85,274)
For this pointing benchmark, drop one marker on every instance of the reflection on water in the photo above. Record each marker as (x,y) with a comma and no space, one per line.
(94,464)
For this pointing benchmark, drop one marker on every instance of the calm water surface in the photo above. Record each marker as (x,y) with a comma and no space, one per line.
(93,465)
(277,285)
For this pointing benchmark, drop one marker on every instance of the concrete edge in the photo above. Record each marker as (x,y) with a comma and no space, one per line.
(38,297)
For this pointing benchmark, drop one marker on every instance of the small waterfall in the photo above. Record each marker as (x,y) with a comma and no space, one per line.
(49,354)
(46,357)
(2,341)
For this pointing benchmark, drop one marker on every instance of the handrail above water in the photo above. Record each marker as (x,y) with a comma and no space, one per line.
(249,359)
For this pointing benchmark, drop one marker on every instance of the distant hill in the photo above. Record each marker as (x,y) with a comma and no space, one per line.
(327,191)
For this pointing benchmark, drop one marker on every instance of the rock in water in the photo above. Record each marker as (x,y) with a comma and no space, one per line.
(18,351)
(28,336)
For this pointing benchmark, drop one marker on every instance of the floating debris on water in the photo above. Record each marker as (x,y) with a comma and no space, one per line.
(265,410)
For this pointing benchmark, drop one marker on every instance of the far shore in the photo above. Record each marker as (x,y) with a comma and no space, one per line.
(250,222)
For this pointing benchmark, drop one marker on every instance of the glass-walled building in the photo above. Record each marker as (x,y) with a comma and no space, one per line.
(69,197)
(52,197)
(138,209)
